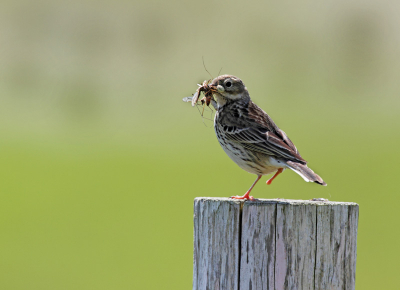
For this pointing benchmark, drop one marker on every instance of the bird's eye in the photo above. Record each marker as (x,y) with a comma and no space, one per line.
(228,84)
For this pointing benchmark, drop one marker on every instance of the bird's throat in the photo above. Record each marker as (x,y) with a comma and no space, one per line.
(221,101)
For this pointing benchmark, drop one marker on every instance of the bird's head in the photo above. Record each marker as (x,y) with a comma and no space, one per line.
(228,88)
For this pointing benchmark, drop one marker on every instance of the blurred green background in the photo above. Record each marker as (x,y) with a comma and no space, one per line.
(100,159)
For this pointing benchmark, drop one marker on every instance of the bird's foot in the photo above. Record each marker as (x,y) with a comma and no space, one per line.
(245,196)
(269,181)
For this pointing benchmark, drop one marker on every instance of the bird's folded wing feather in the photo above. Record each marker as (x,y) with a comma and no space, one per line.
(264,141)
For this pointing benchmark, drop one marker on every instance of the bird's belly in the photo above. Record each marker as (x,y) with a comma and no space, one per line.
(259,164)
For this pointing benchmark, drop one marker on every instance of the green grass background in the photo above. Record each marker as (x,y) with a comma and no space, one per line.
(100,160)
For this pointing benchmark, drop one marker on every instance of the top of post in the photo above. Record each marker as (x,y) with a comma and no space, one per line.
(260,201)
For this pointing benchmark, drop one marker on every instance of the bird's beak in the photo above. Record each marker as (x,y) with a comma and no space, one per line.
(220,88)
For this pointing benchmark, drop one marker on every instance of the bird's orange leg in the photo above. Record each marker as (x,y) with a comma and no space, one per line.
(269,181)
(247,194)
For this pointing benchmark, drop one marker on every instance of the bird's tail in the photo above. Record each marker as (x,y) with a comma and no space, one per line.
(306,173)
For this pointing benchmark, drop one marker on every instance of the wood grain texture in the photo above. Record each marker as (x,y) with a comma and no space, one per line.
(216,244)
(351,247)
(282,244)
(331,246)
(257,264)
(295,246)
(336,246)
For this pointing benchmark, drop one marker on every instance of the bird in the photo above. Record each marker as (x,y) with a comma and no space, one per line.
(250,137)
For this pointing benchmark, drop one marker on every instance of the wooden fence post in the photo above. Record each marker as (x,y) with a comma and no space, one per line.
(274,244)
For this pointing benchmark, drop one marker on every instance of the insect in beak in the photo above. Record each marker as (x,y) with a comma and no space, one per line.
(208,91)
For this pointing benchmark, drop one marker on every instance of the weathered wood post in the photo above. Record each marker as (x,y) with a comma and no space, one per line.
(274,244)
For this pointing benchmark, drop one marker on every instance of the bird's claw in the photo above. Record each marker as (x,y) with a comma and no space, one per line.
(245,196)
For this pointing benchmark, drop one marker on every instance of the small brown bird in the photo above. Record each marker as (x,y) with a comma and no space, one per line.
(250,137)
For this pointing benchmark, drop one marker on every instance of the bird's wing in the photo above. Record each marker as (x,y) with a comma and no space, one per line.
(259,133)
(262,141)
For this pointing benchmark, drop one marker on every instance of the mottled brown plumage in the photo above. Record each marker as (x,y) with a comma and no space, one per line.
(250,137)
